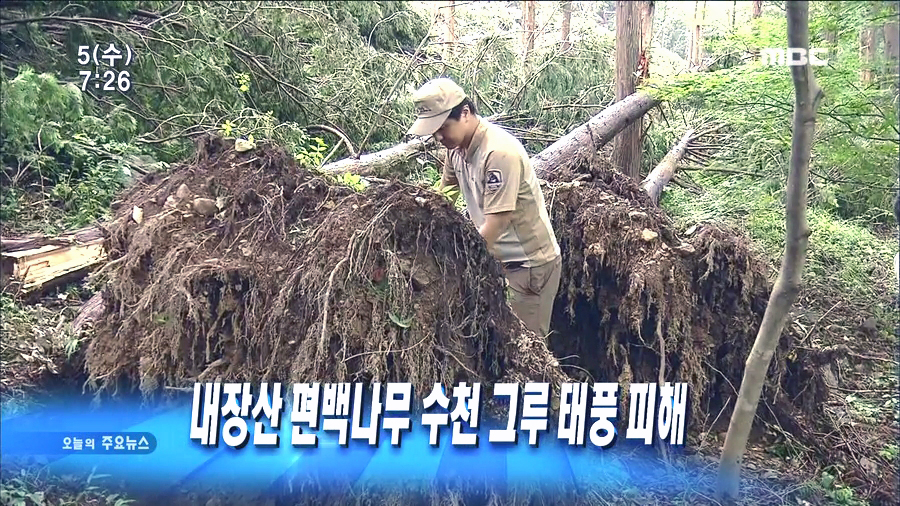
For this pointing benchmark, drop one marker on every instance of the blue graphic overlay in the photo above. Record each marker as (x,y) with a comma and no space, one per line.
(182,452)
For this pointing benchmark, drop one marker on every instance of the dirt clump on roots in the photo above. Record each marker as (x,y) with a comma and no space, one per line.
(279,275)
(632,287)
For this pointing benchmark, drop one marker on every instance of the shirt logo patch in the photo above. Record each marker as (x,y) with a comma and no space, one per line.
(494,181)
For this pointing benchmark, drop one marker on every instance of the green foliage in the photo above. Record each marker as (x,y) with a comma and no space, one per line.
(386,25)
(308,152)
(673,35)
(844,256)
(53,147)
(839,494)
(890,452)
(854,159)
(31,486)
(353,181)
(492,71)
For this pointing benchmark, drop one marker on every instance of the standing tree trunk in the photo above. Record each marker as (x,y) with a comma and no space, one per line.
(451,26)
(867,54)
(700,34)
(627,145)
(694,58)
(733,14)
(646,8)
(892,48)
(528,8)
(807,96)
(566,22)
(757,8)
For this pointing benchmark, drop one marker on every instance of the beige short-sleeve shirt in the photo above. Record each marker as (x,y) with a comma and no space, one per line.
(495,176)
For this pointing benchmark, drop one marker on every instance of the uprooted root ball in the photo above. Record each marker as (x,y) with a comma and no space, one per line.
(631,287)
(248,268)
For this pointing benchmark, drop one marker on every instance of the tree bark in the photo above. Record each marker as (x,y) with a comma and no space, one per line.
(38,263)
(891,33)
(450,27)
(89,312)
(807,96)
(647,8)
(82,236)
(380,161)
(700,24)
(528,8)
(757,8)
(566,25)
(654,183)
(867,54)
(733,14)
(694,58)
(627,148)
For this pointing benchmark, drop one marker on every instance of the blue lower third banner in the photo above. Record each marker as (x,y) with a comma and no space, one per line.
(193,443)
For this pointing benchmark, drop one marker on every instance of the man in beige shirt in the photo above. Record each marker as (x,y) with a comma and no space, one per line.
(502,194)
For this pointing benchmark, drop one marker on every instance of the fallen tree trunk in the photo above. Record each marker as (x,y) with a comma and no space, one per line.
(580,144)
(379,162)
(654,183)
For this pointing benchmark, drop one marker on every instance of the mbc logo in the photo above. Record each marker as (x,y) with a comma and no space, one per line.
(793,57)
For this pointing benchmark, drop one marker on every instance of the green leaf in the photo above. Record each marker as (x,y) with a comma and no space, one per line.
(827,480)
(405,323)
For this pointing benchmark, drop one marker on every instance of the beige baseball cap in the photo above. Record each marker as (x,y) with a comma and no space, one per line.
(433,102)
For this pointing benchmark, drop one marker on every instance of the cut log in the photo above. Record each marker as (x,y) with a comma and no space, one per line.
(654,183)
(84,235)
(39,263)
(580,144)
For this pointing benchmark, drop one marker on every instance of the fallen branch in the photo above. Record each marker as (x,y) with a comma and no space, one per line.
(655,181)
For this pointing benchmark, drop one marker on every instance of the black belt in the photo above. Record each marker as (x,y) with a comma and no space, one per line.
(511,266)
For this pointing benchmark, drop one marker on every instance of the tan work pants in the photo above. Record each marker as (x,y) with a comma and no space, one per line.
(533,291)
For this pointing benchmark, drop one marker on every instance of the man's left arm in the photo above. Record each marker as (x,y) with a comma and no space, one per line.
(503,174)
